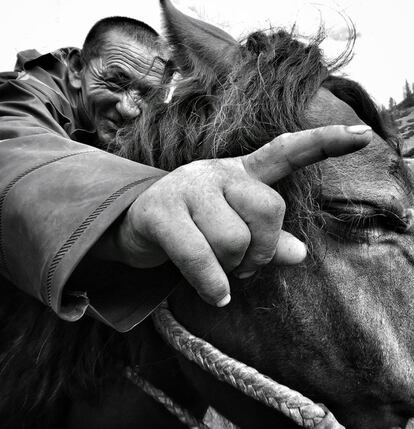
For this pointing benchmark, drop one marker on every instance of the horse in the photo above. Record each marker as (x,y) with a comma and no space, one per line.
(337,328)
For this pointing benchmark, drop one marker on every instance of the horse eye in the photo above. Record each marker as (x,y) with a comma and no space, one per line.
(359,222)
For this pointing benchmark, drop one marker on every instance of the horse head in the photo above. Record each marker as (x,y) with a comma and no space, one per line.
(338,327)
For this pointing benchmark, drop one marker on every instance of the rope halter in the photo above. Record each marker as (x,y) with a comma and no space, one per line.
(292,404)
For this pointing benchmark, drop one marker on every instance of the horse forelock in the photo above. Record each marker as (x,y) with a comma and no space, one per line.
(263,96)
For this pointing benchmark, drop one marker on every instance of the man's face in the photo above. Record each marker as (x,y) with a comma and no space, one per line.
(114,85)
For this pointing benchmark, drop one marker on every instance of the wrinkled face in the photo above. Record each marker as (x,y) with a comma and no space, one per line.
(115,84)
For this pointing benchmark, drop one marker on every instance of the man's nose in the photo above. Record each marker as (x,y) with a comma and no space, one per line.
(127,107)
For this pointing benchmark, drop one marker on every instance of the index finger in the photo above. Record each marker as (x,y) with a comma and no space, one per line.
(291,151)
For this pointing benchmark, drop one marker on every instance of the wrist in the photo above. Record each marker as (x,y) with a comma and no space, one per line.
(107,247)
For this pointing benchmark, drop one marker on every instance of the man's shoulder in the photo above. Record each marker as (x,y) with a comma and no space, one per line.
(22,58)
(45,78)
(25,56)
(31,58)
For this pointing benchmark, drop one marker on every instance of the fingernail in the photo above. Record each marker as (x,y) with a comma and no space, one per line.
(358,129)
(224,301)
(244,275)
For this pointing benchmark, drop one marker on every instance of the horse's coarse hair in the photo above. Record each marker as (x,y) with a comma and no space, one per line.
(43,360)
(263,96)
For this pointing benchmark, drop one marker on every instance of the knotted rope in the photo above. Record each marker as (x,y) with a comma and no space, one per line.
(292,404)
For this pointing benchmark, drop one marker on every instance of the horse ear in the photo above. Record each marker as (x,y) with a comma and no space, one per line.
(197,44)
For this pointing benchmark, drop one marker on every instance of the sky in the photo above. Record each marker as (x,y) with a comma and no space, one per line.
(383,53)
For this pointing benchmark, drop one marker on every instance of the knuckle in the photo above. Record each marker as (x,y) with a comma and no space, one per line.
(153,219)
(270,206)
(197,176)
(276,202)
(231,248)
(198,261)
(194,168)
(234,244)
(335,128)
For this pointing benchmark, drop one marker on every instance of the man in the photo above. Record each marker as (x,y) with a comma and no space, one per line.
(53,101)
(66,207)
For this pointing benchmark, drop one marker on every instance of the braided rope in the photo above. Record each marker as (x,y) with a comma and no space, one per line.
(292,404)
(158,395)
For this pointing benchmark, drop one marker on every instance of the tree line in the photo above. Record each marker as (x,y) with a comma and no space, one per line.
(408,91)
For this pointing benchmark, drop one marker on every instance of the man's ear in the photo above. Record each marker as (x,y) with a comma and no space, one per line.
(75,68)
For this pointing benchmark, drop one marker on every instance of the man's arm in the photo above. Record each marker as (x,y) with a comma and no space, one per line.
(57,197)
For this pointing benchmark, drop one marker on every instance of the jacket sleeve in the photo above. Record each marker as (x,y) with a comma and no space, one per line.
(57,197)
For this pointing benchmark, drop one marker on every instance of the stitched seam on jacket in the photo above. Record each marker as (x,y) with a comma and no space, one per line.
(3,196)
(80,230)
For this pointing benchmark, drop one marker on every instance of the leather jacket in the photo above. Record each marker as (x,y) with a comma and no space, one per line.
(58,194)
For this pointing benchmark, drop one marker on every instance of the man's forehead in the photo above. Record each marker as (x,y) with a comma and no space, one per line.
(124,53)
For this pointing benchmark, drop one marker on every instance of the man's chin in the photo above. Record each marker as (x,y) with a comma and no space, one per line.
(117,140)
(107,140)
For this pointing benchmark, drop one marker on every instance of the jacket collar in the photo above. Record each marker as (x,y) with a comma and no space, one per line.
(55,80)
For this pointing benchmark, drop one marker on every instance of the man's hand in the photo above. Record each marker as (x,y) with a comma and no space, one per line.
(214,217)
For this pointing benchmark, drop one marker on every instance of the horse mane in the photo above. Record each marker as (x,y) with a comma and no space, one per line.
(264,95)
(353,94)
(44,360)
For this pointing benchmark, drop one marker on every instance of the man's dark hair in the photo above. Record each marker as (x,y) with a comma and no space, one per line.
(129,27)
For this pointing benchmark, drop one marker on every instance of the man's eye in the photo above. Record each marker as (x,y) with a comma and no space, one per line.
(111,84)
(362,223)
(143,91)
(116,84)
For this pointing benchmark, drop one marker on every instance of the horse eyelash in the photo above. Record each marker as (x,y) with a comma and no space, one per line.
(360,227)
(350,225)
